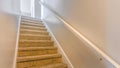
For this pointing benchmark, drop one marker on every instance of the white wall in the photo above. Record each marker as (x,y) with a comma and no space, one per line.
(87,16)
(16,6)
(10,6)
(31,8)
(6,5)
(8,34)
(79,54)
(95,19)
(26,7)
(37,9)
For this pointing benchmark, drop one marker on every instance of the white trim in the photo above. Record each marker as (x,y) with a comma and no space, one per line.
(83,38)
(42,8)
(59,47)
(42,11)
(17,40)
(32,8)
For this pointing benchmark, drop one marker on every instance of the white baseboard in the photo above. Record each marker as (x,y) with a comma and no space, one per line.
(60,49)
(17,40)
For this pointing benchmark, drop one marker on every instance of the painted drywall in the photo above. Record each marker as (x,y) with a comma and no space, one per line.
(97,20)
(6,5)
(37,9)
(16,6)
(10,6)
(112,29)
(8,34)
(79,54)
(26,7)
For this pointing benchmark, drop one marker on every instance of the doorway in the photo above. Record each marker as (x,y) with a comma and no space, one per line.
(31,8)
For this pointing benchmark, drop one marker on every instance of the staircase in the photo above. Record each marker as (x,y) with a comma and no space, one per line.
(36,49)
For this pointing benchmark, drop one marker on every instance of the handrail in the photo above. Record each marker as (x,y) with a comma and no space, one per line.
(109,59)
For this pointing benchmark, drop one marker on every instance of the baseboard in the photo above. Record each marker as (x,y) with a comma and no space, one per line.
(60,49)
(17,40)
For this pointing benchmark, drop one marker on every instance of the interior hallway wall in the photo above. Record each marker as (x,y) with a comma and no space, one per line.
(37,9)
(97,20)
(10,6)
(26,7)
(8,34)
(79,54)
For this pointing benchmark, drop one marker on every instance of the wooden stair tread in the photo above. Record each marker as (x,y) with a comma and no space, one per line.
(32,30)
(58,65)
(35,48)
(40,41)
(37,43)
(37,23)
(34,35)
(27,31)
(32,27)
(31,24)
(33,51)
(31,20)
(33,58)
